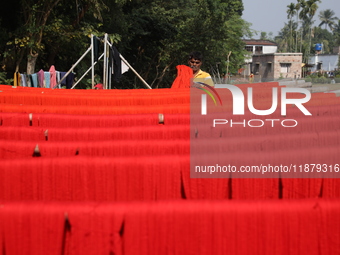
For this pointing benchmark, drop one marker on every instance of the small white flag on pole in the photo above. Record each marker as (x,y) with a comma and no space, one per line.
(125,68)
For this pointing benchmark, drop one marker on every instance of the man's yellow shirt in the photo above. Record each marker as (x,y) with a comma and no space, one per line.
(204,77)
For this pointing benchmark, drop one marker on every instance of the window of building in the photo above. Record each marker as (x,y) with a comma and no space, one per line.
(258,49)
(319,66)
(249,48)
(269,66)
(285,67)
(256,68)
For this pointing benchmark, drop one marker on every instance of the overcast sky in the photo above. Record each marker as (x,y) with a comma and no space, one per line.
(271,15)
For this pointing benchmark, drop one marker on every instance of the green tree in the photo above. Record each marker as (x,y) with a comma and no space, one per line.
(324,37)
(327,18)
(308,10)
(284,36)
(154,36)
(336,32)
(291,12)
(37,19)
(158,35)
(265,36)
(298,31)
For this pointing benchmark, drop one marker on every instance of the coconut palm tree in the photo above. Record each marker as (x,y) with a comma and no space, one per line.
(336,32)
(307,13)
(290,14)
(291,10)
(309,8)
(302,4)
(337,27)
(327,18)
(297,8)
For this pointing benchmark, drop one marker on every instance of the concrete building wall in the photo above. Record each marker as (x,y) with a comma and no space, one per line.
(263,66)
(269,49)
(336,50)
(256,47)
(324,62)
(278,65)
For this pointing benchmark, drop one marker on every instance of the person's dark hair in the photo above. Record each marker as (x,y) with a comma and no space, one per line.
(196,55)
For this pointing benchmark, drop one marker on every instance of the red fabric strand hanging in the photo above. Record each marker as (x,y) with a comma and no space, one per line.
(184,76)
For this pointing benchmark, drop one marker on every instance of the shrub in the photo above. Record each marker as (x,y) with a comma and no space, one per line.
(308,79)
(4,80)
(322,80)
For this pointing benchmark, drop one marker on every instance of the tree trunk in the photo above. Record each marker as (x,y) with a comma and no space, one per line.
(17,64)
(80,15)
(31,61)
(32,57)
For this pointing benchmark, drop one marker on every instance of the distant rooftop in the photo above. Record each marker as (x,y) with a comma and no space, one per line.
(259,42)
